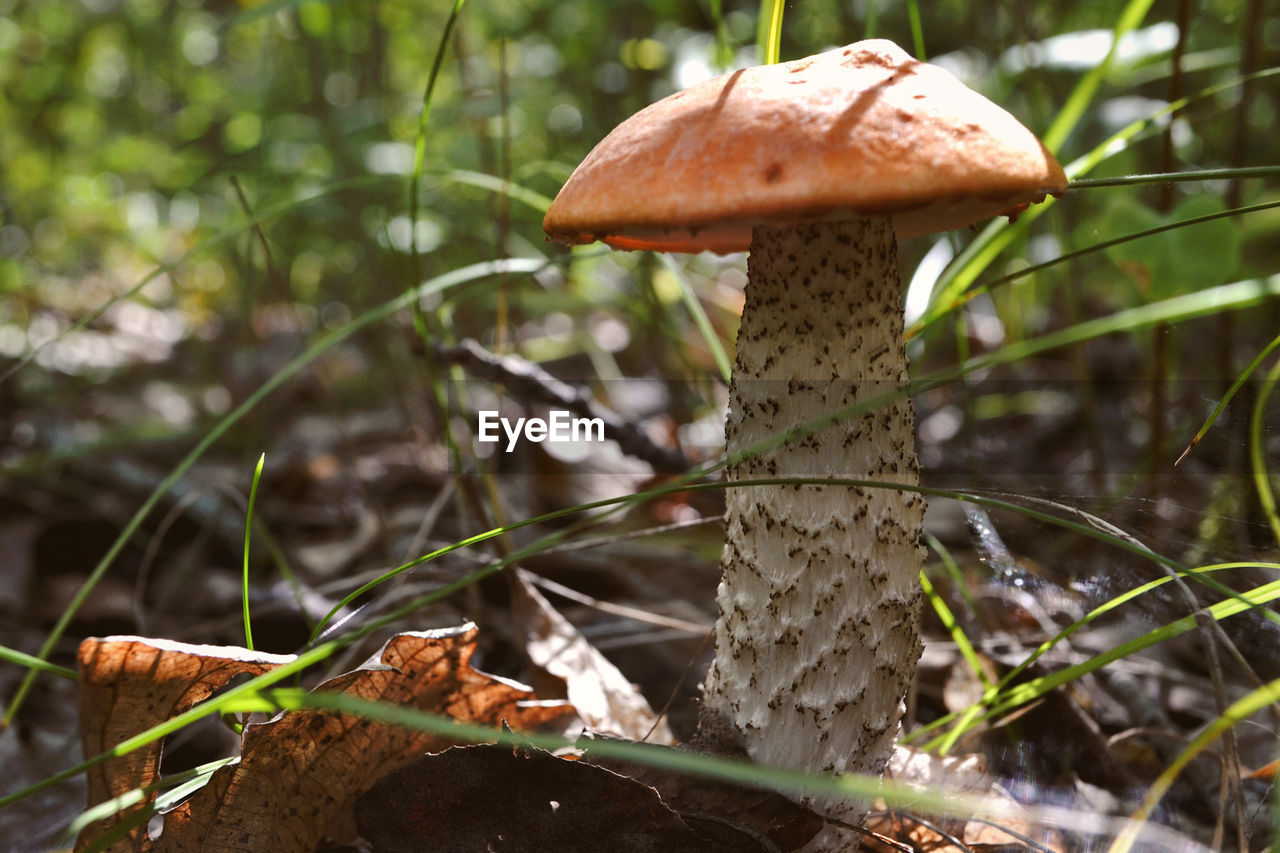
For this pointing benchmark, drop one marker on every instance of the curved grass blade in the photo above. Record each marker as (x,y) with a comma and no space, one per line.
(18,658)
(510,189)
(1079,99)
(248,528)
(948,618)
(243,697)
(722,54)
(1239,711)
(700,319)
(1006,700)
(420,142)
(1257,451)
(1226,398)
(997,235)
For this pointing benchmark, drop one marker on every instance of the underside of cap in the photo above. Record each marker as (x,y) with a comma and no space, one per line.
(857,131)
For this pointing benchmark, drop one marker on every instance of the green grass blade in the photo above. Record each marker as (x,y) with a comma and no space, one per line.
(945,615)
(955,282)
(1080,98)
(1021,694)
(917,29)
(1234,174)
(248,529)
(1238,711)
(1109,606)
(722,55)
(769,32)
(848,786)
(235,700)
(424,118)
(1226,398)
(700,319)
(32,662)
(1257,451)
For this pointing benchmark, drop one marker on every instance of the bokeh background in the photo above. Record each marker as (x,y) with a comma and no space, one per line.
(213,216)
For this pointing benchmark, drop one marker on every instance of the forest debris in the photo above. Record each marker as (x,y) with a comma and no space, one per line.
(128,685)
(603,697)
(524,801)
(961,774)
(709,802)
(298,775)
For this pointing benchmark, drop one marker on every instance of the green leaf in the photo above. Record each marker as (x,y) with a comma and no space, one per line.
(1177,261)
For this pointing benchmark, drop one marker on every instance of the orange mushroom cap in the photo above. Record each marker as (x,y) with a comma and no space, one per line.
(860,130)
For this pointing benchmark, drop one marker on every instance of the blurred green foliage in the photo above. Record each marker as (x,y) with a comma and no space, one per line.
(125,124)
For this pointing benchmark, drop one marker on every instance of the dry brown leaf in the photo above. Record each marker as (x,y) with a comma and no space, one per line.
(708,803)
(523,801)
(128,685)
(299,775)
(603,697)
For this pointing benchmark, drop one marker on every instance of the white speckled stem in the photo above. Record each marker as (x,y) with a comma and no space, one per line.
(818,634)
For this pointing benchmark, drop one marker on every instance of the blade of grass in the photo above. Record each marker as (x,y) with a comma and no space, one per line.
(32,662)
(849,786)
(769,32)
(700,319)
(997,235)
(324,344)
(917,29)
(1080,98)
(175,787)
(248,528)
(948,618)
(1226,398)
(494,184)
(1029,691)
(424,118)
(1232,174)
(722,55)
(1257,451)
(1239,711)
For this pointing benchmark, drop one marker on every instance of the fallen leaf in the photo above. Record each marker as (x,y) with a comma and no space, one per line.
(706,803)
(522,801)
(603,697)
(298,775)
(128,685)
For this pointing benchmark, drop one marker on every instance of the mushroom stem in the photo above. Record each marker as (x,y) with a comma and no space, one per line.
(818,634)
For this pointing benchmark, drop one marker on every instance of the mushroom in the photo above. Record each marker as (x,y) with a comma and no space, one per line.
(813,165)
